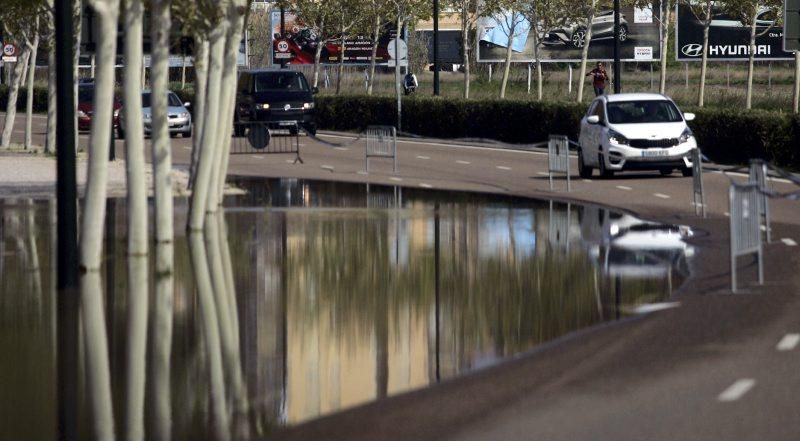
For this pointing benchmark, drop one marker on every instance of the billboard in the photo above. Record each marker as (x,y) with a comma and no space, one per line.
(728,37)
(640,36)
(299,44)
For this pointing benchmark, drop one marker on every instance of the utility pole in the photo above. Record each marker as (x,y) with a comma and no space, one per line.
(436,47)
(67,226)
(617,66)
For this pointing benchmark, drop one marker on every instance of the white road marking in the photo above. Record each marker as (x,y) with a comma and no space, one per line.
(392,178)
(424,185)
(326,167)
(789,242)
(586,180)
(289,161)
(726,214)
(788,342)
(543,173)
(463,162)
(503,167)
(736,390)
(662,195)
(423,157)
(186,148)
(624,187)
(653,307)
(256,156)
(344,149)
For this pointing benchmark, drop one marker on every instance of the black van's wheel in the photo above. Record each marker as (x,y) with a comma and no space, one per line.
(584,170)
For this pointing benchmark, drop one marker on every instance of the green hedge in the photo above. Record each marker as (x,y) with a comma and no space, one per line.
(725,136)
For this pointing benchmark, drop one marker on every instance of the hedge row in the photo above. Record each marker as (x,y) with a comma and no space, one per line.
(39,99)
(726,136)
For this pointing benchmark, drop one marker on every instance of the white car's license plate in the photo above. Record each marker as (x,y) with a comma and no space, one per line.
(655,153)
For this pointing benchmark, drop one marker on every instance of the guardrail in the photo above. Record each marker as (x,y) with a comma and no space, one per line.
(266,138)
(758,176)
(381,143)
(745,226)
(558,158)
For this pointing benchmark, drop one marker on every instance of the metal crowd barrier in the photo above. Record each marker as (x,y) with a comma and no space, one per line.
(266,138)
(697,181)
(558,158)
(745,226)
(758,176)
(381,143)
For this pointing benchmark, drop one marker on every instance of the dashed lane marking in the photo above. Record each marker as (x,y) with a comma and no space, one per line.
(624,187)
(502,167)
(186,148)
(326,167)
(654,307)
(789,242)
(423,157)
(256,157)
(463,162)
(393,178)
(543,173)
(726,214)
(424,185)
(736,390)
(662,195)
(788,342)
(344,149)
(586,180)
(289,161)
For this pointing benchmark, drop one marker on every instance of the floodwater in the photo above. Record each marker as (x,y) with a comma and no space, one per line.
(344,294)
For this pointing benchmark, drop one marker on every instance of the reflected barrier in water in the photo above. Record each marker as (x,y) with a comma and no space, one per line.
(335,304)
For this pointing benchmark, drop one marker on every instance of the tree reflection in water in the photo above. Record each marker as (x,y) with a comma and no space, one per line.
(281,314)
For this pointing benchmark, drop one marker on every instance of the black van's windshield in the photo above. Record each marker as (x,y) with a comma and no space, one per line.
(280,82)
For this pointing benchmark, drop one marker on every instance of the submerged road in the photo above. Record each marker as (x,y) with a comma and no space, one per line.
(718,366)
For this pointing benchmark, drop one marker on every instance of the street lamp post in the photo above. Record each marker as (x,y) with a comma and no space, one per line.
(617,66)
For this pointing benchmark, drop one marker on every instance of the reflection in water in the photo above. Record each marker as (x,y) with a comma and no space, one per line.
(293,304)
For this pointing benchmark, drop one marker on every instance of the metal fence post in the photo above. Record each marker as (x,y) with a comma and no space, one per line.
(558,158)
(699,194)
(381,143)
(745,227)
(758,176)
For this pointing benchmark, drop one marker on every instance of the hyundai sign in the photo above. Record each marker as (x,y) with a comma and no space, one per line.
(728,37)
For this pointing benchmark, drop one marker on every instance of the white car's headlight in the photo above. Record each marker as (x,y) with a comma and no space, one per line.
(184,114)
(307,106)
(116,113)
(686,135)
(81,114)
(617,137)
(262,106)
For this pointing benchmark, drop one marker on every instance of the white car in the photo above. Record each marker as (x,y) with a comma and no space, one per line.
(635,131)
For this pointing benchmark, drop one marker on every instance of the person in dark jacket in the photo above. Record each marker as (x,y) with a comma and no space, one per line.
(600,76)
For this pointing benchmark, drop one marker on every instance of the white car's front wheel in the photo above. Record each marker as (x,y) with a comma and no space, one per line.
(584,171)
(604,172)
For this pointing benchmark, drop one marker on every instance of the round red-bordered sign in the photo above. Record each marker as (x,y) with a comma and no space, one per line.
(9,50)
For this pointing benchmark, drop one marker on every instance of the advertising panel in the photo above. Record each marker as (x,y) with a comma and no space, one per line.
(299,44)
(728,37)
(640,36)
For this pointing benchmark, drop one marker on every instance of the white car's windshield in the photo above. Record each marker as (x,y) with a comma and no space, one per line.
(642,112)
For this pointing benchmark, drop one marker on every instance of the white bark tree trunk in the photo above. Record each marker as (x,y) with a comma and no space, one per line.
(585,52)
(318,53)
(200,61)
(796,99)
(376,29)
(162,149)
(137,222)
(77,14)
(665,15)
(34,47)
(13,95)
(507,62)
(50,141)
(341,62)
(704,62)
(465,48)
(751,60)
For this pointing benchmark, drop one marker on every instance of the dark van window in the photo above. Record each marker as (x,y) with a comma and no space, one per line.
(280,82)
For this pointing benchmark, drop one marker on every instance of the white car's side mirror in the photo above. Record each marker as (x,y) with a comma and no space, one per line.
(593,119)
(688,116)
(187,104)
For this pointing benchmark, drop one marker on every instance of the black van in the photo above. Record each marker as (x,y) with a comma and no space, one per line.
(275,96)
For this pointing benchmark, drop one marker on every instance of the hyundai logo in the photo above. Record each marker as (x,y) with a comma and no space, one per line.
(692,50)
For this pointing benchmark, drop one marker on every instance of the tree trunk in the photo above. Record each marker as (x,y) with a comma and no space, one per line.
(375,33)
(137,222)
(13,94)
(318,53)
(200,62)
(751,60)
(465,48)
(704,62)
(341,64)
(77,14)
(665,14)
(31,76)
(536,56)
(397,73)
(162,149)
(50,141)
(203,182)
(507,63)
(585,53)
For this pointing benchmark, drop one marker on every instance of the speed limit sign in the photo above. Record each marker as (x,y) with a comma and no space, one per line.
(283,46)
(9,53)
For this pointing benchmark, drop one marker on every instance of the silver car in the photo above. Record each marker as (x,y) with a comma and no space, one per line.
(574,34)
(180,119)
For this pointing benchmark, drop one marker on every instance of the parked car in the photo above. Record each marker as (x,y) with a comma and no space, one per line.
(275,96)
(574,33)
(86,106)
(635,131)
(179,117)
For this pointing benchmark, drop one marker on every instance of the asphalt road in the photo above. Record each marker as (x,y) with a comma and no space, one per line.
(718,366)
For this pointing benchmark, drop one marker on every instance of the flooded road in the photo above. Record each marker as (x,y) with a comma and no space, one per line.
(344,294)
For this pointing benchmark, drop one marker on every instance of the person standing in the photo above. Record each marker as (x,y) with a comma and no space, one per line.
(600,76)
